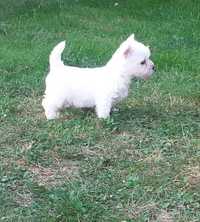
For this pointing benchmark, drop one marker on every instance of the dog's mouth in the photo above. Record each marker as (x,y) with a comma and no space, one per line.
(146,77)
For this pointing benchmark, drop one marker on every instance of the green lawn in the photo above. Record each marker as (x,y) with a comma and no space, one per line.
(143,163)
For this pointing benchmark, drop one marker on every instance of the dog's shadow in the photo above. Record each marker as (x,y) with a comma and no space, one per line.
(145,117)
(129,118)
(157,119)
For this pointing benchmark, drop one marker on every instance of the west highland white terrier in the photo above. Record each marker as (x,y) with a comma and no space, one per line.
(101,87)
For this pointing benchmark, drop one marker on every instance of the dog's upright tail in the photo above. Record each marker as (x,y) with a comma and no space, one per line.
(55,56)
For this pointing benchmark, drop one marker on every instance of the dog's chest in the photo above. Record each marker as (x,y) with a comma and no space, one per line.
(120,91)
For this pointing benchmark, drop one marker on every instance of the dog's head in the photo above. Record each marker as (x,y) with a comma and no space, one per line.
(135,58)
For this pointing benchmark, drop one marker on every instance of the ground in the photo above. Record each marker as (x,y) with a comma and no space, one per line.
(141,164)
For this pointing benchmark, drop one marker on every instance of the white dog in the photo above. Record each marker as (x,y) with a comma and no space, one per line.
(95,87)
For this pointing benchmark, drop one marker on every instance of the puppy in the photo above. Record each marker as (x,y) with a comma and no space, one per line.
(101,87)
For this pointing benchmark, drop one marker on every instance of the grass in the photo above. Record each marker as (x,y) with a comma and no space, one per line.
(141,164)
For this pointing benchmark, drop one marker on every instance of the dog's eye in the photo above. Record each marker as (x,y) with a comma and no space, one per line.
(143,62)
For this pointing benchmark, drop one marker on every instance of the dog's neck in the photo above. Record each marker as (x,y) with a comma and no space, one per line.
(116,69)
(119,78)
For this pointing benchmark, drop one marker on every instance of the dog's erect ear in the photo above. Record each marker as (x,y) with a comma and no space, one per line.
(127,46)
(131,37)
(128,51)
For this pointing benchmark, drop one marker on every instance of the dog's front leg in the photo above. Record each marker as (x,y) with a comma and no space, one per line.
(103,108)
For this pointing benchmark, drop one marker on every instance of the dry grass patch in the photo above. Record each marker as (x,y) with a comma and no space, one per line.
(31,106)
(154,157)
(24,199)
(193,176)
(164,216)
(133,211)
(56,174)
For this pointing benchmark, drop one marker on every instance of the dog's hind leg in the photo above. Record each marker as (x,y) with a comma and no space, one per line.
(51,111)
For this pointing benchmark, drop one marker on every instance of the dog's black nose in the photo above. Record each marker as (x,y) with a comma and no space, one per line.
(154,68)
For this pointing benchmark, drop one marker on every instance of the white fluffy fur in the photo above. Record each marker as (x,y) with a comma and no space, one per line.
(95,87)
